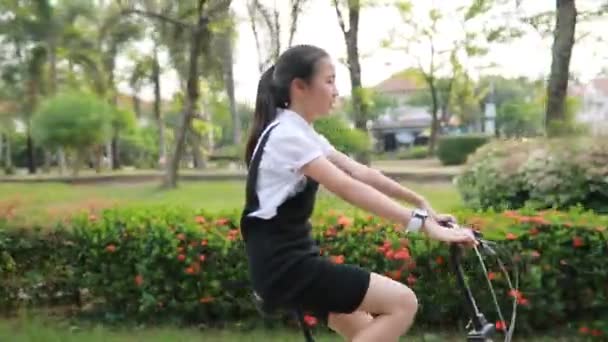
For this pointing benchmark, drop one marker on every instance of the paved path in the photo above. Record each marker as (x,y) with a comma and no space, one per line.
(427,170)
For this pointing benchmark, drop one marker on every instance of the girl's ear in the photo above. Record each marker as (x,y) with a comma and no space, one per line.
(299,84)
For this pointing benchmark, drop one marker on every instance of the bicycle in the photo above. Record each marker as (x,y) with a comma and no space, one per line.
(482,330)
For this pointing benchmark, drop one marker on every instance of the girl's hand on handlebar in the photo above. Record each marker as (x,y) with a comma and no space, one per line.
(451,235)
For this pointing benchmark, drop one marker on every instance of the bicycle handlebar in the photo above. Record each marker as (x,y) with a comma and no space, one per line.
(482,329)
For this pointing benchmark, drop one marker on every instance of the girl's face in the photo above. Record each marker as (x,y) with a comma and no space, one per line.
(318,96)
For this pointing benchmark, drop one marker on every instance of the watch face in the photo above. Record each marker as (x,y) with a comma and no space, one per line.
(420,212)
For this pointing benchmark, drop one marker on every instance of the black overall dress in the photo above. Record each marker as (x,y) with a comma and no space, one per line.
(285,265)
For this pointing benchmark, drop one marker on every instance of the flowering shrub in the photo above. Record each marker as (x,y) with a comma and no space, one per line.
(160,264)
(544,173)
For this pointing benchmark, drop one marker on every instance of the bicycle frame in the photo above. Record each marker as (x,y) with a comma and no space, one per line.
(482,329)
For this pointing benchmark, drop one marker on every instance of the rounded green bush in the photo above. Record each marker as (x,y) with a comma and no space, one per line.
(338,133)
(454,150)
(541,173)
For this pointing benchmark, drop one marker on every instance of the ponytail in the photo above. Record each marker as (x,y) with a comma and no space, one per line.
(273,89)
(265,110)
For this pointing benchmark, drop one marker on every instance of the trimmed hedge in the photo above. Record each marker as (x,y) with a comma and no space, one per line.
(454,149)
(543,173)
(160,265)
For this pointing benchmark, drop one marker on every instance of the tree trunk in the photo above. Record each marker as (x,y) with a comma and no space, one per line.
(8,161)
(1,148)
(97,157)
(560,66)
(136,105)
(52,66)
(352,50)
(229,81)
(78,159)
(196,144)
(192,95)
(162,158)
(435,119)
(31,166)
(115,151)
(61,159)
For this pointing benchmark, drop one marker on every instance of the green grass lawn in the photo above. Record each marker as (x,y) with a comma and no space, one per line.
(43,202)
(28,329)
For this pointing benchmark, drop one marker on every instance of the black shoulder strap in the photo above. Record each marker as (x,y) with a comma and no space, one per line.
(252,177)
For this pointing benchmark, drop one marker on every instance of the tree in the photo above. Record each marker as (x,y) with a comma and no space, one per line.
(351,38)
(226,48)
(564,23)
(265,21)
(444,56)
(75,121)
(520,118)
(565,26)
(202,14)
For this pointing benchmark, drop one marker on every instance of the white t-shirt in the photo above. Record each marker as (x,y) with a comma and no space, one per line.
(291,145)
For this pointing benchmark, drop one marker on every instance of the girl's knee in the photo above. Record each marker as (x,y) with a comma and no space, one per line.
(407,302)
(348,325)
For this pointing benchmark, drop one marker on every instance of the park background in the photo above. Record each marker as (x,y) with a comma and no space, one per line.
(122,130)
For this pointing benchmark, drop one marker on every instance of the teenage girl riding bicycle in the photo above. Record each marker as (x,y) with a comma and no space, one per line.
(287,161)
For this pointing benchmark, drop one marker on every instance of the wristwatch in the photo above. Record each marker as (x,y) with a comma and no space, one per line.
(417,221)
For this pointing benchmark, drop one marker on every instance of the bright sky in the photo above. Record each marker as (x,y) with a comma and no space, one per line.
(529,56)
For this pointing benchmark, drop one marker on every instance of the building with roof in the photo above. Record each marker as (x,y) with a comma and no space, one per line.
(401,125)
(594,109)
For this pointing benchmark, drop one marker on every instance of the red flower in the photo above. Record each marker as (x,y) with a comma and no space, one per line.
(439,260)
(338,259)
(411,279)
(233,234)
(583,330)
(310,320)
(181,257)
(535,254)
(139,280)
(501,325)
(491,275)
(204,243)
(202,257)
(402,254)
(181,236)
(200,219)
(539,220)
(344,221)
(330,232)
(511,236)
(222,221)
(190,270)
(395,275)
(596,333)
(111,248)
(411,265)
(524,219)
(92,218)
(515,294)
(523,301)
(577,242)
(534,231)
(207,299)
(389,254)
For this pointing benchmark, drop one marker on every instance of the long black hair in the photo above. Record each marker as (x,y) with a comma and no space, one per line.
(273,88)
